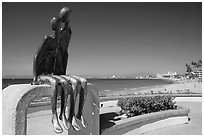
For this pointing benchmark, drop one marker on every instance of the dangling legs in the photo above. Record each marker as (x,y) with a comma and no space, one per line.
(82,98)
(72,108)
(75,84)
(53,83)
(66,89)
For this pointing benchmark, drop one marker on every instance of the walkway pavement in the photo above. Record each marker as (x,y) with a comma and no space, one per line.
(193,128)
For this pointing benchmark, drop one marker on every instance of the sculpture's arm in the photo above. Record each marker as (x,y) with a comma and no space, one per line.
(67,27)
(38,57)
(44,46)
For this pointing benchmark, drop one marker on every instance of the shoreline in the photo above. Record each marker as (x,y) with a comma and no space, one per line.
(178,87)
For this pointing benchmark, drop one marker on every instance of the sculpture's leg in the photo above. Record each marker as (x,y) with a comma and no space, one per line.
(53,83)
(75,93)
(82,98)
(72,109)
(66,89)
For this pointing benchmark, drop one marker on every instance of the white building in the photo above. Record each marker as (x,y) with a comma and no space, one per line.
(170,74)
(199,74)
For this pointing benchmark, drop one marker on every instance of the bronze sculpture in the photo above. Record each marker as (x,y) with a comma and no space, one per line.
(49,66)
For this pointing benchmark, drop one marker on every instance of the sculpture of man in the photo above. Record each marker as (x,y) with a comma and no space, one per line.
(79,84)
(49,66)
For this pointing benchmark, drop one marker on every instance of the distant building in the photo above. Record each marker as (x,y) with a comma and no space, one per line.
(199,74)
(168,75)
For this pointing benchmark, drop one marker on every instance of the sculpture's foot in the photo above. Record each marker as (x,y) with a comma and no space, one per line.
(75,125)
(83,121)
(56,126)
(65,122)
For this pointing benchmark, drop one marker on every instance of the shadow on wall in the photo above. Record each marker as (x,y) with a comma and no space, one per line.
(108,120)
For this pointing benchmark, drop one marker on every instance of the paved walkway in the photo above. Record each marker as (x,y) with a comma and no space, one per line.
(193,128)
(195,125)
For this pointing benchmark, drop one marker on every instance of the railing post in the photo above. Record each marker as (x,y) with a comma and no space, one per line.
(15,102)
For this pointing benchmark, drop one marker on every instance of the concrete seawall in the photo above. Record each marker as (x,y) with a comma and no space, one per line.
(17,98)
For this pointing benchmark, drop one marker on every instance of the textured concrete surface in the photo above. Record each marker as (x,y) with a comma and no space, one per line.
(16,99)
(173,121)
(194,127)
(39,123)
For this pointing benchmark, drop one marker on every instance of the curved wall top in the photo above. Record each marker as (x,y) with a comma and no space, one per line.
(16,100)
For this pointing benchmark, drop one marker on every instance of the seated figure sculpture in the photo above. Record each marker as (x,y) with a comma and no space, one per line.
(43,72)
(79,84)
(49,66)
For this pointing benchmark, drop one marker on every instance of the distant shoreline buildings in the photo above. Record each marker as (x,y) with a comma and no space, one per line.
(170,74)
(174,75)
(198,73)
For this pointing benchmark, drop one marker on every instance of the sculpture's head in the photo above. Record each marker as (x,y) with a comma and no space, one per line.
(65,14)
(55,24)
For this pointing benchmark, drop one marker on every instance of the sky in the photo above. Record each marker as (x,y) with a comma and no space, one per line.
(107,38)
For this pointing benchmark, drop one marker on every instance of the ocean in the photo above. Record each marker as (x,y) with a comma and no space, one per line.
(106,86)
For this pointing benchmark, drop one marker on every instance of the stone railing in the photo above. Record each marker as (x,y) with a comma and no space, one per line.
(17,98)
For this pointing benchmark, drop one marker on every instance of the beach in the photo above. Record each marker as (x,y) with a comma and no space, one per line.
(193,87)
(181,87)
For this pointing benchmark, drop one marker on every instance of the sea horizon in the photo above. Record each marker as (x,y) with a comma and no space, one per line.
(105,85)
